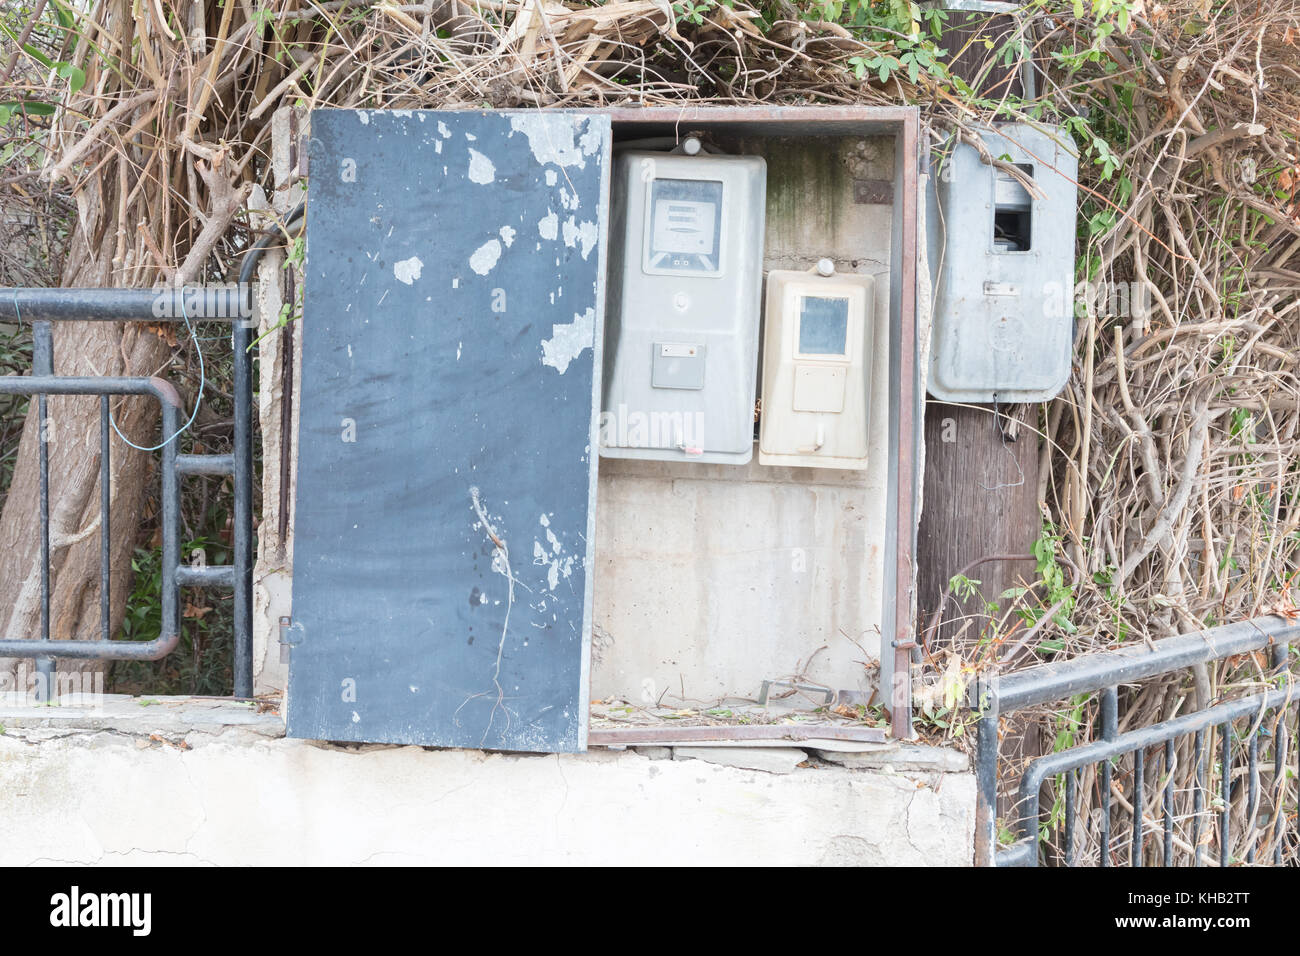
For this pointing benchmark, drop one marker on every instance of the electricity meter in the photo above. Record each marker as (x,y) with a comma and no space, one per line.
(1003,256)
(685,281)
(817,356)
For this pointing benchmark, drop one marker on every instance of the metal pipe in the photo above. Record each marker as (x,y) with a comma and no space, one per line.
(1139,768)
(43,364)
(986,782)
(1280,742)
(1109,728)
(1071,785)
(47,384)
(1167,804)
(171,520)
(159,388)
(211,576)
(1225,816)
(205,464)
(153,650)
(1252,793)
(1059,679)
(243,536)
(199,303)
(1198,798)
(105,524)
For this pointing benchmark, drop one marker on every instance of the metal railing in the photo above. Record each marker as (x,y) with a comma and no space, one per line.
(1167,758)
(43,307)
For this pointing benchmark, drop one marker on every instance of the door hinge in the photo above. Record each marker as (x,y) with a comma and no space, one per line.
(290,635)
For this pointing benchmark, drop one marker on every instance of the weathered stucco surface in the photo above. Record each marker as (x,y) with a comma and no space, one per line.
(172,783)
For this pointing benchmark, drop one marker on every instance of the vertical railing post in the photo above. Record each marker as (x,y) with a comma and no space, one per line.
(43,365)
(105,524)
(986,777)
(1225,816)
(170,498)
(1109,730)
(243,452)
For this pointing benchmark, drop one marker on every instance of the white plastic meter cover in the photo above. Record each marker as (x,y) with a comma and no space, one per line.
(1003,263)
(685,282)
(817,356)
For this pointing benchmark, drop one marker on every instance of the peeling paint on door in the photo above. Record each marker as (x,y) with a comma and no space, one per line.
(417,544)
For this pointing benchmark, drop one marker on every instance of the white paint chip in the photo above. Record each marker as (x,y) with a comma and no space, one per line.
(568,341)
(408,270)
(481,169)
(550,138)
(507,235)
(485,257)
(549,225)
(584,233)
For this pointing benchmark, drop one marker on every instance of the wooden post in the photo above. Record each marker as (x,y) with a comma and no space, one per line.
(980,499)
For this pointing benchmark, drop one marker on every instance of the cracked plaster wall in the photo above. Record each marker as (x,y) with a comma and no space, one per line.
(241,796)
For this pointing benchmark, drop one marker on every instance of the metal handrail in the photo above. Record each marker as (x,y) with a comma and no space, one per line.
(42,307)
(1102,672)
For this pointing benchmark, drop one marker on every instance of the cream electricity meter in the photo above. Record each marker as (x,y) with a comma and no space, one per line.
(685,282)
(817,368)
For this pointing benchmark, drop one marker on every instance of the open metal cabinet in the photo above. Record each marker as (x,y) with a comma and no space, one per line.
(452,371)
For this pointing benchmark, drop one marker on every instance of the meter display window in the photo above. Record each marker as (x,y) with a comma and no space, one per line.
(685,234)
(823,325)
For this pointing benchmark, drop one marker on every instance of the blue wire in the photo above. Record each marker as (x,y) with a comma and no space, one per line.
(197,401)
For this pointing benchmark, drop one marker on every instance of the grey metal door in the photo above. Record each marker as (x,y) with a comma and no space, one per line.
(450,387)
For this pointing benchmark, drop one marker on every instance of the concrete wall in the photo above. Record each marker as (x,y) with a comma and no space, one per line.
(191,782)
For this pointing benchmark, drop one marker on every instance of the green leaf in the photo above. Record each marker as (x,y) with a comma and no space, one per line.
(75,76)
(30,50)
(31,107)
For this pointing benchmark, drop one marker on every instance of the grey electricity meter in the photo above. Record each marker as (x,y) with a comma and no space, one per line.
(1003,262)
(685,279)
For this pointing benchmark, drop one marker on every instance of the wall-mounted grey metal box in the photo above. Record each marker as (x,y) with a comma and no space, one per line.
(685,280)
(1003,265)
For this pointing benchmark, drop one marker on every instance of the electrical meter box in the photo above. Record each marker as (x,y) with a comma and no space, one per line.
(817,354)
(1003,261)
(685,280)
